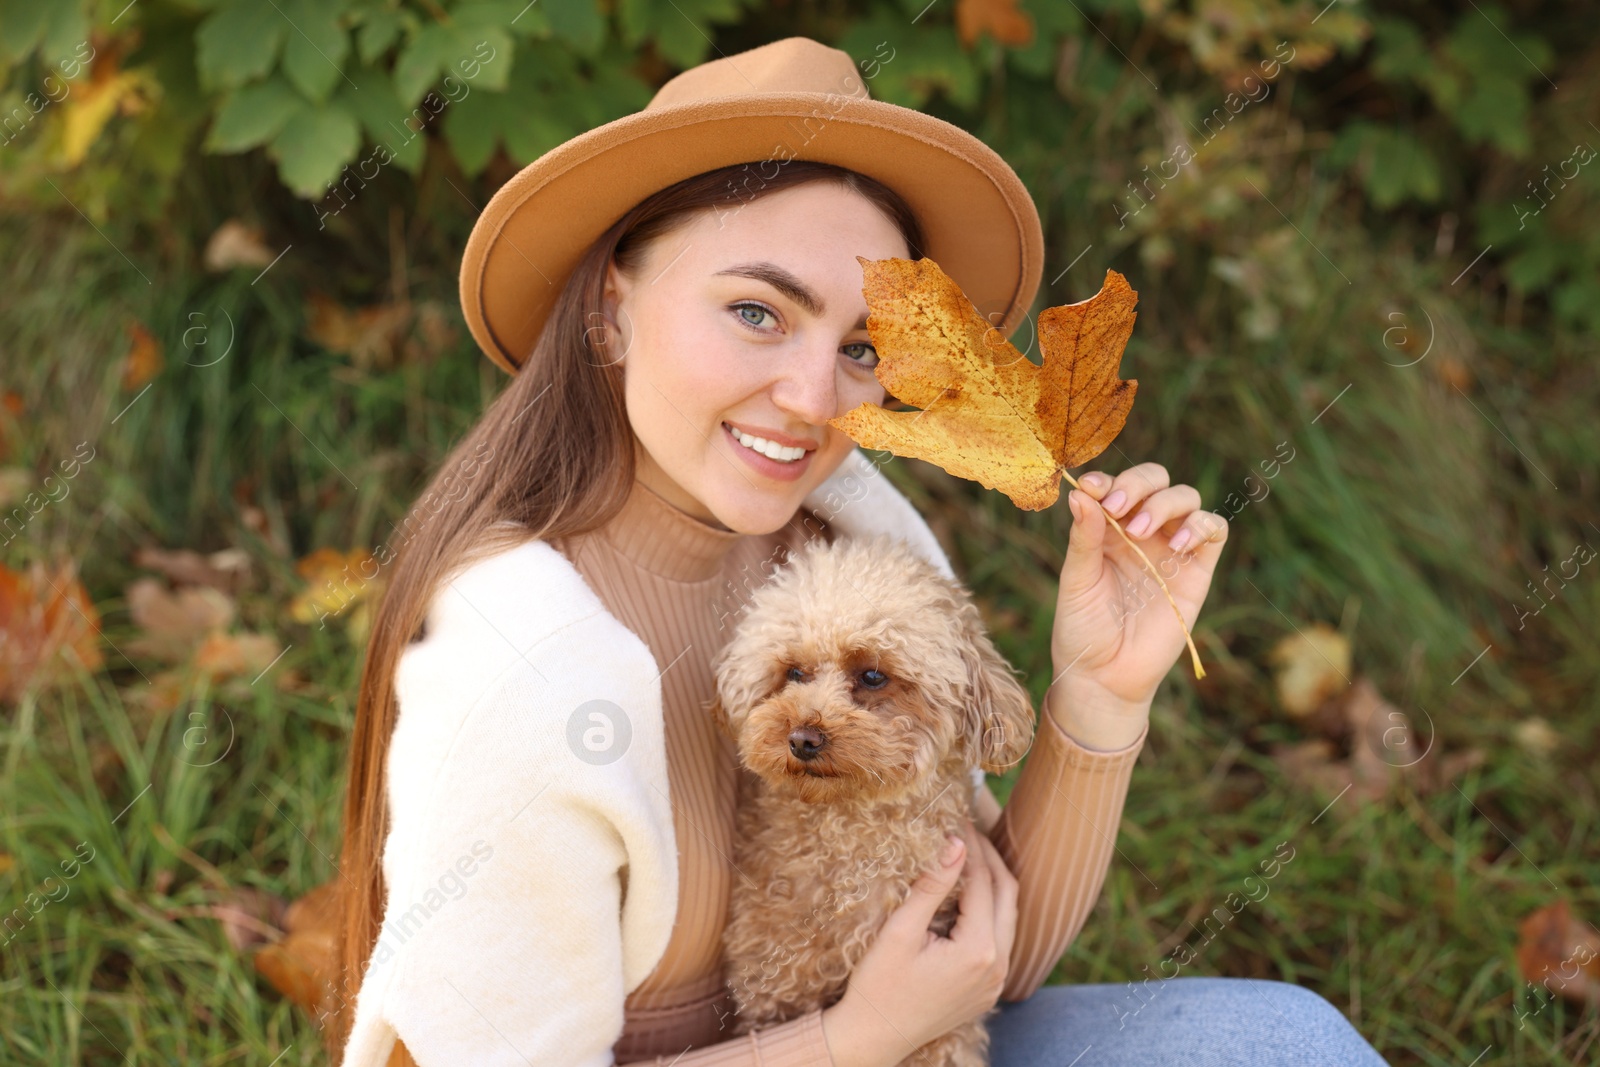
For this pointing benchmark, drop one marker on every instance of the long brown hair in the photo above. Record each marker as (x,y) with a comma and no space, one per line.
(554,454)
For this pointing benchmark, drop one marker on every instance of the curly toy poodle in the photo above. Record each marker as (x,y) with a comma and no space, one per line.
(859,687)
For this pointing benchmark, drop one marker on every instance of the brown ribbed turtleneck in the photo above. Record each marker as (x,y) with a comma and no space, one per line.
(679,583)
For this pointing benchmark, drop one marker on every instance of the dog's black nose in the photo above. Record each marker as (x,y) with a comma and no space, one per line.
(806,742)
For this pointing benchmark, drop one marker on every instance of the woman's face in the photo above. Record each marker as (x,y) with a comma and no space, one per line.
(750,318)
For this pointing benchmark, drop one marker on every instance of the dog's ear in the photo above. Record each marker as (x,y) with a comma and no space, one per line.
(999,716)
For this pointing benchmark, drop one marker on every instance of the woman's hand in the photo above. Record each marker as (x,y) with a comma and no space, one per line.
(1115,635)
(912,985)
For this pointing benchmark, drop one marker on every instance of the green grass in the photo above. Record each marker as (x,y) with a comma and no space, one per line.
(1407,517)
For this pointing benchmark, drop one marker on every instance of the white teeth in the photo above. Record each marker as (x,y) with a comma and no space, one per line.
(767,448)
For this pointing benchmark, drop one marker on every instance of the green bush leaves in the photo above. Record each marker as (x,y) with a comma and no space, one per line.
(1425,102)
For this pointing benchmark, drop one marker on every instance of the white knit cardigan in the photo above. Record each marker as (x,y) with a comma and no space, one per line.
(530,891)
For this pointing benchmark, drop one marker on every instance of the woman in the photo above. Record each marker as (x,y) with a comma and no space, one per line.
(537,825)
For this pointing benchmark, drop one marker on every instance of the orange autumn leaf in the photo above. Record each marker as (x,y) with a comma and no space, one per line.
(45,619)
(228,655)
(1008,23)
(988,414)
(11,407)
(370,335)
(333,579)
(1562,951)
(303,965)
(334,582)
(143,360)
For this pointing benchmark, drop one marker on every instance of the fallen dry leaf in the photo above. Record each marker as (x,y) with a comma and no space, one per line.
(1371,746)
(1536,736)
(1008,23)
(1313,665)
(334,582)
(226,570)
(11,408)
(303,965)
(223,655)
(1561,951)
(175,621)
(371,336)
(234,244)
(166,692)
(249,916)
(435,332)
(143,360)
(46,617)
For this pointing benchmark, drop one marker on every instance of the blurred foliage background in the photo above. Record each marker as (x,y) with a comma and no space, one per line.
(1369,273)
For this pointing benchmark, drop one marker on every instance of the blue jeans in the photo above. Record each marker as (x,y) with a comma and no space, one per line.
(1199,1021)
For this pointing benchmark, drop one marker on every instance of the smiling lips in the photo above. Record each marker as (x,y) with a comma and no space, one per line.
(771,449)
(780,462)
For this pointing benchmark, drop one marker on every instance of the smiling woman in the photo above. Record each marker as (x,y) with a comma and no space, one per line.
(739,339)
(539,672)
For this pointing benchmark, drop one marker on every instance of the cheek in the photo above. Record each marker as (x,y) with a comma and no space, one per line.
(858,389)
(683,365)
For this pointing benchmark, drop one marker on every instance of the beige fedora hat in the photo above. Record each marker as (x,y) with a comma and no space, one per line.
(791,99)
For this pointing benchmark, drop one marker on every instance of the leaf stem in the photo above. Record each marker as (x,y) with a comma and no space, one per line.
(1194,653)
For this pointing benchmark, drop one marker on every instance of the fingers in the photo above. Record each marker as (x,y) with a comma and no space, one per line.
(1081,568)
(929,890)
(1145,502)
(1200,530)
(1160,508)
(977,895)
(1133,485)
(1005,899)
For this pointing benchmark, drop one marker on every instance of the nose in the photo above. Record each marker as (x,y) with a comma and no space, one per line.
(806,742)
(809,387)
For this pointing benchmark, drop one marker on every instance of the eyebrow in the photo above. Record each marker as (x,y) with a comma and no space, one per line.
(786,283)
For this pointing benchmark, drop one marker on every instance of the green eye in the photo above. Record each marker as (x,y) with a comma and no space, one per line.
(750,320)
(868,350)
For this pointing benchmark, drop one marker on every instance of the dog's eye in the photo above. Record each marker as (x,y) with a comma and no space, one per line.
(874,679)
(795,674)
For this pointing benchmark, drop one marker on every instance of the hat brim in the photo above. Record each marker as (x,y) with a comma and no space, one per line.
(979,223)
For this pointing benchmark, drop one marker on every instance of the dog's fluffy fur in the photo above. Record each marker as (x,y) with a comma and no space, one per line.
(826,847)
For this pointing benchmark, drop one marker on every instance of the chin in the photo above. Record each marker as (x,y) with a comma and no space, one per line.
(747,510)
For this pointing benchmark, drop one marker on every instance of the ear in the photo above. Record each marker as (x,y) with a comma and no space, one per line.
(612,289)
(603,329)
(999,718)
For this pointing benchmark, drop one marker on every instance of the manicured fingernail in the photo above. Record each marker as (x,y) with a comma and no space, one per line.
(1181,538)
(1116,502)
(952,849)
(1097,480)
(1139,525)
